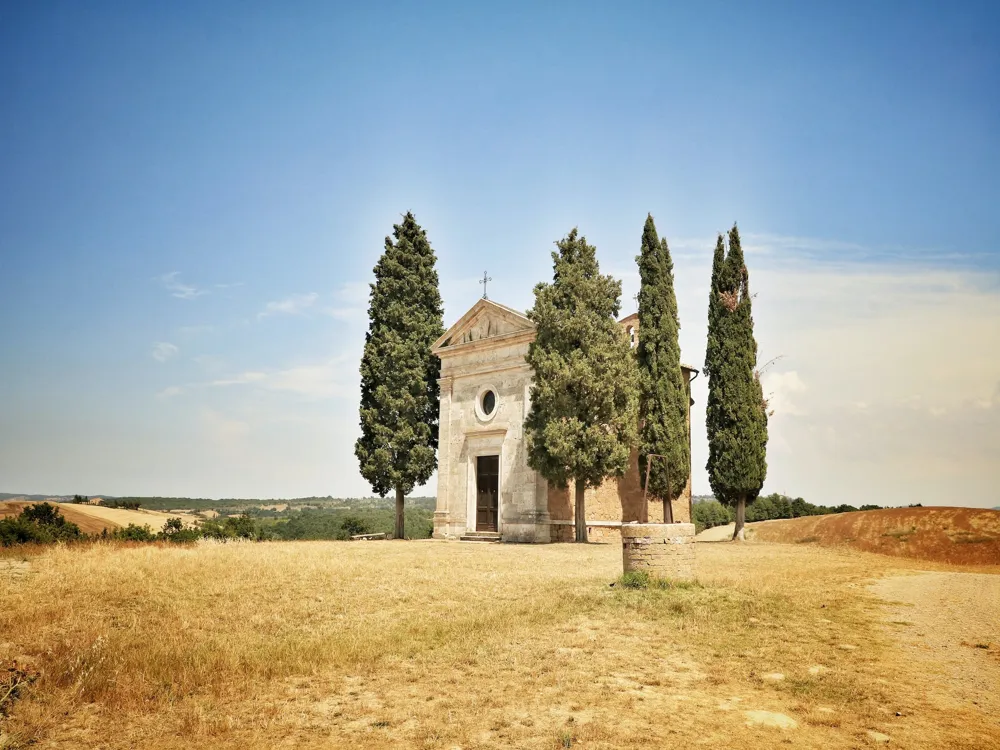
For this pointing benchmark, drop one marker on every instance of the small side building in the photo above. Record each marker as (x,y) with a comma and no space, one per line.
(485,486)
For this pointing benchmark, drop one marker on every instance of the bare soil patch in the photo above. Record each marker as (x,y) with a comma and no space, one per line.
(949,624)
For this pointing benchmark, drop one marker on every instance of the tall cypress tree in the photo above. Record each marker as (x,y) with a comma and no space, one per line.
(736,415)
(399,374)
(663,395)
(582,421)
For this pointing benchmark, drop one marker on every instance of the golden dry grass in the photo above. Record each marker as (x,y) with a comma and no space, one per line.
(434,644)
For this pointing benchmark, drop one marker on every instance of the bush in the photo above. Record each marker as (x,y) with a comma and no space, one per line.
(174,531)
(41,523)
(134,533)
(242,526)
(709,513)
(353,525)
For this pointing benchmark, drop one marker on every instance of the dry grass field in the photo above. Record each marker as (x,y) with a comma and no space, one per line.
(964,536)
(92,519)
(436,644)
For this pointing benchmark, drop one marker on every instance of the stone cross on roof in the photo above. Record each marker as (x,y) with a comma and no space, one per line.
(484,281)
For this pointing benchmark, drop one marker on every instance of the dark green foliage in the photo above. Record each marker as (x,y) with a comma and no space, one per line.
(399,374)
(711,513)
(353,525)
(663,395)
(174,531)
(736,414)
(40,523)
(133,533)
(80,499)
(243,526)
(582,421)
(342,524)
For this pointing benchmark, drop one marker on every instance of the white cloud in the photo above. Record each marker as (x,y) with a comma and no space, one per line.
(781,389)
(162,351)
(332,378)
(177,289)
(297,304)
(170,392)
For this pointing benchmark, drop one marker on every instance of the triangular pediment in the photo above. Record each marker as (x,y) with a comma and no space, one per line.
(485,320)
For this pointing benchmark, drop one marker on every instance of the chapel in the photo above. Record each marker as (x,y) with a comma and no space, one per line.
(486,489)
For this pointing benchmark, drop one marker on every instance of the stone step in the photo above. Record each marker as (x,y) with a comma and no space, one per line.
(480,536)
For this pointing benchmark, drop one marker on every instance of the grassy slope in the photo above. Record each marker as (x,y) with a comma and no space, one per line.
(433,644)
(962,536)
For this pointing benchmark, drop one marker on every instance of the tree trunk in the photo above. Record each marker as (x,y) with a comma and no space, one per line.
(668,512)
(581,511)
(741,514)
(400,531)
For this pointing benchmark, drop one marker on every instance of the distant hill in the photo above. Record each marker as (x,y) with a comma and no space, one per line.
(22,496)
(963,536)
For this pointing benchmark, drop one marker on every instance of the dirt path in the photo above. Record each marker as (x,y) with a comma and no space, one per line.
(949,624)
(716,534)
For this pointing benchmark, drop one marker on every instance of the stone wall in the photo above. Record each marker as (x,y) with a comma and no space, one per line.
(661,550)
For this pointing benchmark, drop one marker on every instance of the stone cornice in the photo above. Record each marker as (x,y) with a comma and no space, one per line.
(455,374)
(493,432)
(505,339)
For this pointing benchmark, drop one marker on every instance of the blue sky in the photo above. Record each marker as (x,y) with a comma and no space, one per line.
(194,196)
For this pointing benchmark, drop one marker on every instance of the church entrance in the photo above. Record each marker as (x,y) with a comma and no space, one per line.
(487,492)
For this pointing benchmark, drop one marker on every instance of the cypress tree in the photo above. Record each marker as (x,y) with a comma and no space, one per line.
(582,420)
(663,395)
(399,374)
(736,414)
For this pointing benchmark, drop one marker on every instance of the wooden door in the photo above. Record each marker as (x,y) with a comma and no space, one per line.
(487,492)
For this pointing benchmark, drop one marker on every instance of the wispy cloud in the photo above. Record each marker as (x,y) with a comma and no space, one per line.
(351,301)
(172,284)
(297,304)
(170,392)
(162,351)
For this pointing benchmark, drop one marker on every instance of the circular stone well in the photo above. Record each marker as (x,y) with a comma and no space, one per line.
(662,550)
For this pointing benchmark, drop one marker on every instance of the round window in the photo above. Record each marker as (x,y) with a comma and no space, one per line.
(489,402)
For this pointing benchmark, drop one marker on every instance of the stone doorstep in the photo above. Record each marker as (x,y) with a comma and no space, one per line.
(480,536)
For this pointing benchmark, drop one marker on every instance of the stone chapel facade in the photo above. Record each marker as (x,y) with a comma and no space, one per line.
(485,486)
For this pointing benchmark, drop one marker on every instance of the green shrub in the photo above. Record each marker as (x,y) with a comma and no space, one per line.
(40,523)
(353,525)
(134,533)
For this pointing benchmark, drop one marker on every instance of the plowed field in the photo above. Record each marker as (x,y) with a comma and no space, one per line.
(961,536)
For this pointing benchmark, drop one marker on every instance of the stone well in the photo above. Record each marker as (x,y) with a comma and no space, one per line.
(663,550)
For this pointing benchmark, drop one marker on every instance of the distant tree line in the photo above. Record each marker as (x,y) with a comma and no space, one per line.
(235,506)
(43,523)
(709,513)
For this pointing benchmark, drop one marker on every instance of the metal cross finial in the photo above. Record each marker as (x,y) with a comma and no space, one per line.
(484,281)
